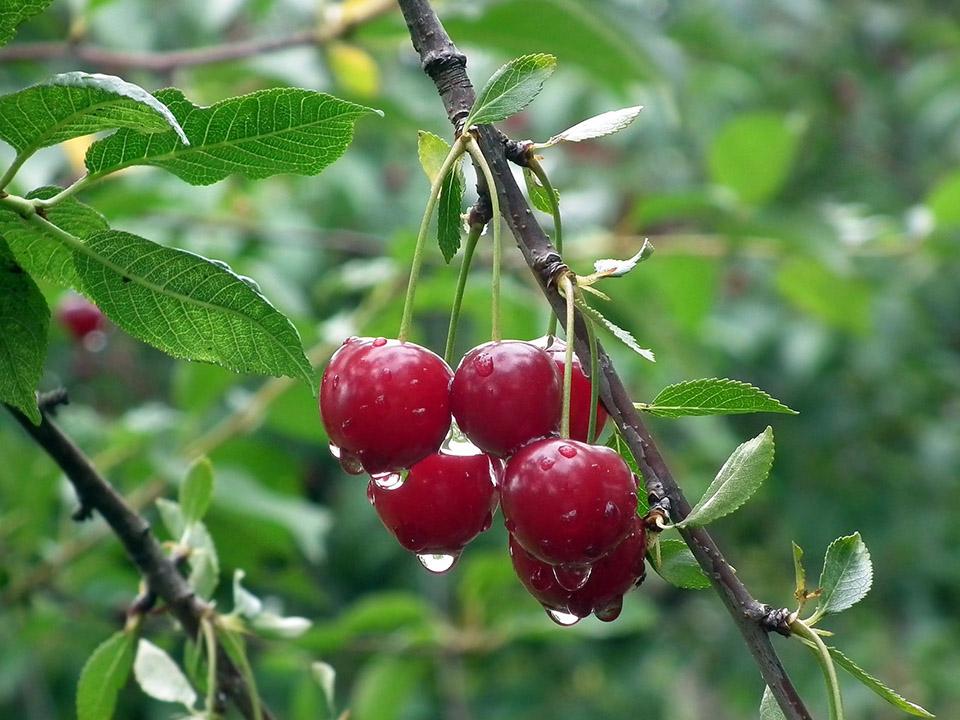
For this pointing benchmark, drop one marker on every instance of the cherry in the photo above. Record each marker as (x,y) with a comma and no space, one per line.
(566,502)
(385,402)
(505,394)
(602,593)
(79,316)
(579,389)
(444,502)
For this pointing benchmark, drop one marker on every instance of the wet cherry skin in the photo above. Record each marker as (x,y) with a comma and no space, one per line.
(79,316)
(385,402)
(566,502)
(505,394)
(579,389)
(444,502)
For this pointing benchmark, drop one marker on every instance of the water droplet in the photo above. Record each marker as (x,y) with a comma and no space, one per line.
(562,618)
(568,451)
(572,577)
(569,516)
(487,522)
(351,339)
(336,381)
(371,495)
(380,401)
(483,364)
(541,579)
(458,444)
(385,373)
(346,423)
(547,462)
(611,511)
(379,342)
(438,563)
(388,481)
(334,450)
(350,463)
(612,611)
(419,411)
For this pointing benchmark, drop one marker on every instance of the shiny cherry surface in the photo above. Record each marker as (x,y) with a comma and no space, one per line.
(579,389)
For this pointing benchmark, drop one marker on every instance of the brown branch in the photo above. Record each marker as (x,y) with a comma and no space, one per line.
(160,572)
(446,66)
(165,62)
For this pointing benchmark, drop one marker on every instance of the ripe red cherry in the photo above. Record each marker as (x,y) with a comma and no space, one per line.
(386,402)
(79,316)
(602,593)
(505,394)
(579,389)
(566,502)
(444,502)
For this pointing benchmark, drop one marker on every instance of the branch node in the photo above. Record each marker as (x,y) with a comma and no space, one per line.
(517,151)
(48,402)
(775,620)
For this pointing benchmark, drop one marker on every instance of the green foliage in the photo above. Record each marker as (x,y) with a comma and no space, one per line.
(712,396)
(674,562)
(511,88)
(769,709)
(14,12)
(839,301)
(598,126)
(847,575)
(878,687)
(618,444)
(160,677)
(944,201)
(539,197)
(196,492)
(433,150)
(104,675)
(624,336)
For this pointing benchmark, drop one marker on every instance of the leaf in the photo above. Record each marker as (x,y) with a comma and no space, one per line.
(236,649)
(618,332)
(78,103)
(204,561)
(769,709)
(278,626)
(354,68)
(847,575)
(245,603)
(610,268)
(539,197)
(188,306)
(269,132)
(944,201)
(679,567)
(41,255)
(752,155)
(840,301)
(741,475)
(619,445)
(512,88)
(103,676)
(196,492)
(712,396)
(14,12)
(24,321)
(799,573)
(172,517)
(433,150)
(598,126)
(385,686)
(326,678)
(877,686)
(160,677)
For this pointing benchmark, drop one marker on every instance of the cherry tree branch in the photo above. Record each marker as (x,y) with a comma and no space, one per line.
(446,66)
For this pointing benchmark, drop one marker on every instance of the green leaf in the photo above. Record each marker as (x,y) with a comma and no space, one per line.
(539,197)
(103,676)
(269,132)
(769,709)
(598,126)
(712,396)
(944,201)
(77,103)
(385,686)
(847,575)
(235,647)
(433,150)
(41,255)
(188,306)
(741,475)
(679,567)
(160,677)
(326,677)
(14,12)
(878,687)
(245,603)
(512,88)
(172,517)
(752,155)
(204,561)
(618,332)
(196,492)
(24,321)
(800,574)
(619,445)
(840,301)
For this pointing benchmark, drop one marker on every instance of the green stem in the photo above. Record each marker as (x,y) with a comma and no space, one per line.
(471,245)
(594,385)
(11,172)
(474,149)
(834,700)
(455,152)
(567,285)
(68,191)
(537,169)
(209,635)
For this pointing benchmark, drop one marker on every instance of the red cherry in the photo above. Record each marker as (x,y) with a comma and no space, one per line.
(579,389)
(386,402)
(505,394)
(444,502)
(566,502)
(603,591)
(79,316)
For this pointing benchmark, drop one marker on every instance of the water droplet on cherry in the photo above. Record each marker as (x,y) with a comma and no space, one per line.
(483,364)
(572,577)
(612,611)
(438,563)
(388,481)
(568,451)
(334,450)
(546,463)
(562,618)
(379,342)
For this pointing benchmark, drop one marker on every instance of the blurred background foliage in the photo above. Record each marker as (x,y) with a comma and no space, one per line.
(797,167)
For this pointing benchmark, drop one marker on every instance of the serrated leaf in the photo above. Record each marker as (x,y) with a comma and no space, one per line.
(24,321)
(160,677)
(245,603)
(598,126)
(14,12)
(878,687)
(269,132)
(103,676)
(618,332)
(539,197)
(619,445)
(769,709)
(196,492)
(188,306)
(712,396)
(679,567)
(800,574)
(38,253)
(78,103)
(741,475)
(512,88)
(432,151)
(847,575)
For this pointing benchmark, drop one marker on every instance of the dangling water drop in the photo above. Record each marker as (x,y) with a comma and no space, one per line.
(388,481)
(572,577)
(459,444)
(334,450)
(562,618)
(438,563)
(350,463)
(611,612)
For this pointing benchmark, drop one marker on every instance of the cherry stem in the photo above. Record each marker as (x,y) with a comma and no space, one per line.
(567,286)
(455,152)
(594,385)
(474,235)
(474,149)
(813,641)
(537,169)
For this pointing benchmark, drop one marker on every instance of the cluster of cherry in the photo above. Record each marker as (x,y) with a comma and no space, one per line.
(576,542)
